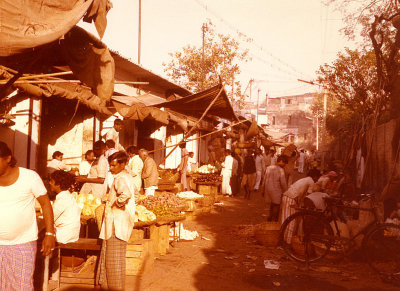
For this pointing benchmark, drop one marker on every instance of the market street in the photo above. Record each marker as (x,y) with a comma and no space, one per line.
(200,145)
(231,260)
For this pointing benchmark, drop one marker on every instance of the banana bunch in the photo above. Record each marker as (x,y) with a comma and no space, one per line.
(143,214)
(87,202)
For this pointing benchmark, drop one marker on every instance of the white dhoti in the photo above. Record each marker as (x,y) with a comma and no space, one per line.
(226,186)
(258,180)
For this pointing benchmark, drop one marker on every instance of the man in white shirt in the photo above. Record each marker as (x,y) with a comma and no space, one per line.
(235,173)
(192,164)
(84,166)
(135,166)
(67,214)
(19,187)
(184,165)
(260,168)
(95,182)
(301,161)
(56,163)
(117,225)
(227,173)
(113,134)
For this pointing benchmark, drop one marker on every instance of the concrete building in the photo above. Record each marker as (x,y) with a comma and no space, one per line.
(292,115)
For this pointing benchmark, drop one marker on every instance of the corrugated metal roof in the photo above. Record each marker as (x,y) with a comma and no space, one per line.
(126,70)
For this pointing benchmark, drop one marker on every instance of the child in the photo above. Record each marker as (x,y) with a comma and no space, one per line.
(67,214)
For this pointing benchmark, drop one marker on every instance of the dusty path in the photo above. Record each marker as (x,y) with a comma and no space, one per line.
(225,260)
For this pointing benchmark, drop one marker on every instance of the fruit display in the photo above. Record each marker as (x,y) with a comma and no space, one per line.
(163,212)
(166,199)
(87,203)
(190,195)
(143,214)
(209,178)
(207,169)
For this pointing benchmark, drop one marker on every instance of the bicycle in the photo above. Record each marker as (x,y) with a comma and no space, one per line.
(308,235)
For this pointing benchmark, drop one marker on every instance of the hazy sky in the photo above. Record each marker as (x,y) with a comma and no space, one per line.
(292,38)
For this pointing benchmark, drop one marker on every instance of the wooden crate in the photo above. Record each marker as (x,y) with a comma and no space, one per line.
(160,237)
(163,244)
(139,257)
(207,201)
(137,235)
(219,198)
(207,189)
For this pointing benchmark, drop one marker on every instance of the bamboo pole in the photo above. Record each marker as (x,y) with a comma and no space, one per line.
(66,81)
(197,123)
(204,135)
(26,77)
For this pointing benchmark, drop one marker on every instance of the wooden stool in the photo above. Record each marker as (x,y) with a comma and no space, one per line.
(91,244)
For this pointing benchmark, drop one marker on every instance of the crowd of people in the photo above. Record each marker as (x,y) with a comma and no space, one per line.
(115,175)
(108,172)
(272,176)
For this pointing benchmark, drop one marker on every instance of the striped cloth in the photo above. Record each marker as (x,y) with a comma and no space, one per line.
(286,211)
(112,267)
(17,264)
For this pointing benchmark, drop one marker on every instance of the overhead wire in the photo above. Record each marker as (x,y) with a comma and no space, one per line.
(293,72)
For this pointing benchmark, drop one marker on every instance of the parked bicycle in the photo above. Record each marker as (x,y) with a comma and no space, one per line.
(308,235)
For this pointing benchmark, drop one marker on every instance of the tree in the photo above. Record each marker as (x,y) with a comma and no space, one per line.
(196,71)
(379,23)
(353,105)
(352,78)
(358,15)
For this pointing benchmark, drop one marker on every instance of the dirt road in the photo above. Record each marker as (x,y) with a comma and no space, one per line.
(224,259)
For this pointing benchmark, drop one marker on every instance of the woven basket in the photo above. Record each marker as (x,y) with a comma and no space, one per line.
(268,233)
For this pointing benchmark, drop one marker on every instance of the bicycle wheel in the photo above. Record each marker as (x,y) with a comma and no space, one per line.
(306,236)
(382,249)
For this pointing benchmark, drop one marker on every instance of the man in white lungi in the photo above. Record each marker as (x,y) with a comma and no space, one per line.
(294,196)
(227,173)
(301,161)
(260,168)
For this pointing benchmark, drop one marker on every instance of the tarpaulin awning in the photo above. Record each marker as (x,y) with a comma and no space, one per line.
(63,90)
(29,24)
(194,105)
(139,111)
(146,99)
(79,51)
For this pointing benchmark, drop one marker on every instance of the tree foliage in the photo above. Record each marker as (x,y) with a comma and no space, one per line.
(196,71)
(358,15)
(352,77)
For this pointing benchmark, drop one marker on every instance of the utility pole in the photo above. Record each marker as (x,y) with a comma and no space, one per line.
(317,133)
(323,142)
(258,100)
(140,30)
(203,29)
